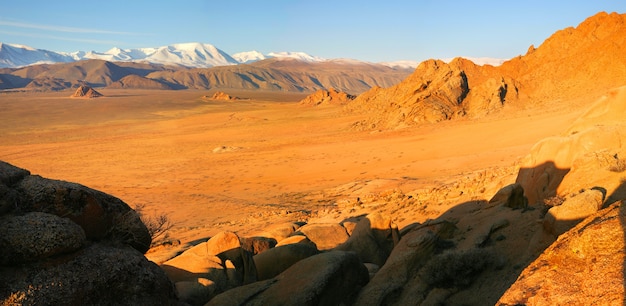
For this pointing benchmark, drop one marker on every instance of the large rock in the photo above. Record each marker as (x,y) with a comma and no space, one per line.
(562,218)
(405,261)
(373,239)
(101,216)
(210,268)
(584,266)
(274,261)
(96,275)
(325,235)
(36,235)
(331,278)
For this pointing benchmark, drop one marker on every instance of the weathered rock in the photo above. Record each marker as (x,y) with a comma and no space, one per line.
(101,216)
(296,239)
(326,97)
(280,231)
(325,235)
(373,239)
(256,245)
(584,266)
(84,91)
(210,268)
(96,275)
(510,196)
(405,261)
(331,278)
(562,218)
(274,261)
(10,174)
(34,236)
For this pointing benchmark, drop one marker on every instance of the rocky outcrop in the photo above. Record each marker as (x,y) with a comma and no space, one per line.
(331,278)
(584,266)
(220,95)
(84,91)
(327,97)
(436,91)
(572,64)
(64,243)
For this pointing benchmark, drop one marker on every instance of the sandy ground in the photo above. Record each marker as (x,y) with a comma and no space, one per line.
(240,165)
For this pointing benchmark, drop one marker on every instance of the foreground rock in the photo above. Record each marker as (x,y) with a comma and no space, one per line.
(63,243)
(583,267)
(331,278)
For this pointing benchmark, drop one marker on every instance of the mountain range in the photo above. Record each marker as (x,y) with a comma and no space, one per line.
(192,55)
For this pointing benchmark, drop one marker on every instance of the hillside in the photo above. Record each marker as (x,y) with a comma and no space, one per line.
(276,74)
(574,64)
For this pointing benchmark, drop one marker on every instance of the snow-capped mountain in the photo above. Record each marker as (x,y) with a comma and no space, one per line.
(187,54)
(195,55)
(249,56)
(12,55)
(253,56)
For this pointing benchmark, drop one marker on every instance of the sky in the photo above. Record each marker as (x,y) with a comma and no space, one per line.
(375,31)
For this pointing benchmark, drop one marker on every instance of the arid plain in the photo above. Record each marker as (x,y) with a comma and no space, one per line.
(241,165)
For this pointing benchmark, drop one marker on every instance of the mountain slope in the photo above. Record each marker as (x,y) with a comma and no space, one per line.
(285,75)
(572,64)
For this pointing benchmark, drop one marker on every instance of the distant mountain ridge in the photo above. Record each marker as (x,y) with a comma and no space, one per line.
(192,55)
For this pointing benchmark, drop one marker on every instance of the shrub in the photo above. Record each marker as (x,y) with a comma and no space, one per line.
(157,225)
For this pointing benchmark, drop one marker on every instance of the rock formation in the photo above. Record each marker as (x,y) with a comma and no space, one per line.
(438,91)
(64,243)
(220,95)
(85,91)
(327,97)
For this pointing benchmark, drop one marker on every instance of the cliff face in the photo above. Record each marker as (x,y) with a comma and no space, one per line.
(574,63)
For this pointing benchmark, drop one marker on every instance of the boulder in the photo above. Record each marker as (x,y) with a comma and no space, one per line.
(373,239)
(274,261)
(256,245)
(404,262)
(280,231)
(36,235)
(562,218)
(210,268)
(101,216)
(296,239)
(325,235)
(98,274)
(331,278)
(510,196)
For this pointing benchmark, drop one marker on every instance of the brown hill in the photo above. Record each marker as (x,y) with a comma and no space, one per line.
(326,97)
(133,81)
(94,72)
(85,91)
(573,64)
(285,75)
(272,74)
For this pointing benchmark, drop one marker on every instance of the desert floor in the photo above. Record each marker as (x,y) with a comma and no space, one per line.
(241,165)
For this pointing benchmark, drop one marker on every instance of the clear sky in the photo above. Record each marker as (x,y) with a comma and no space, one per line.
(365,30)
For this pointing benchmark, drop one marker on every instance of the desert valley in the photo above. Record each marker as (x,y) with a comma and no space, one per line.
(286,182)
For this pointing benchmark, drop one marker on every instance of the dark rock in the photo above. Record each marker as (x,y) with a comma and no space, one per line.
(37,235)
(96,275)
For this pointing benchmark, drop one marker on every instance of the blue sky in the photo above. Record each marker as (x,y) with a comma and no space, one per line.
(366,30)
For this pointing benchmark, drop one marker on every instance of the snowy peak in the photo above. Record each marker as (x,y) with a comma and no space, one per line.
(12,55)
(249,57)
(186,54)
(301,56)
